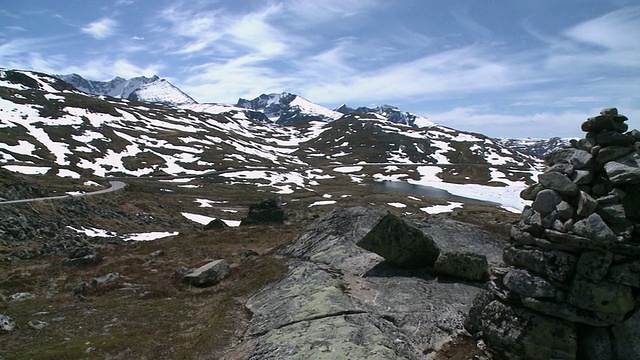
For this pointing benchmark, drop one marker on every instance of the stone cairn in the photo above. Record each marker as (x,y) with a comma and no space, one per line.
(571,285)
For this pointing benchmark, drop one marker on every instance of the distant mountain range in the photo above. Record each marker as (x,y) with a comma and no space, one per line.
(140,88)
(51,127)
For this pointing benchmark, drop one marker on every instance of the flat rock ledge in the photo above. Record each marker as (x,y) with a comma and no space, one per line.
(340,301)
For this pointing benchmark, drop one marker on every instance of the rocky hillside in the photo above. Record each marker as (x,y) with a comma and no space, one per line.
(51,128)
(536,147)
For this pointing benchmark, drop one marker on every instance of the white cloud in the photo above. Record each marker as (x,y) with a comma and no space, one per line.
(101,29)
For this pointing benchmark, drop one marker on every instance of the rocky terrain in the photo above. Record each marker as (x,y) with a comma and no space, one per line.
(570,289)
(378,227)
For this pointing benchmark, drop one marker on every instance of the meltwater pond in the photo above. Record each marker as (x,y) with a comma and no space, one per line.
(401,186)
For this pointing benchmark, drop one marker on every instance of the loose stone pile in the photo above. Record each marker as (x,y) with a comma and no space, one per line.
(571,287)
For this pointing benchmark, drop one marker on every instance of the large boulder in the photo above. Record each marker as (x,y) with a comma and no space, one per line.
(265,212)
(400,243)
(208,274)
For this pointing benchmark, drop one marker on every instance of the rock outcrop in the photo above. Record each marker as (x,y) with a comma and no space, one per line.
(267,211)
(572,282)
(340,301)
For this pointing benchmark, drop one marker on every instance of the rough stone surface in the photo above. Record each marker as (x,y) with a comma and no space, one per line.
(208,274)
(546,201)
(558,182)
(626,338)
(400,243)
(527,284)
(595,228)
(267,211)
(340,301)
(601,296)
(462,265)
(573,257)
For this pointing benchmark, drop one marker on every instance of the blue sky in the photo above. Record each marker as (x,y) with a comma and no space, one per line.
(534,68)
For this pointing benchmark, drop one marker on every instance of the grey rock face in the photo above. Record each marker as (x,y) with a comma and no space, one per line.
(526,284)
(601,296)
(340,301)
(558,182)
(626,337)
(400,243)
(462,265)
(208,274)
(595,228)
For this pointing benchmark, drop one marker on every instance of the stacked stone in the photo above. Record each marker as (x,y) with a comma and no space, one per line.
(571,287)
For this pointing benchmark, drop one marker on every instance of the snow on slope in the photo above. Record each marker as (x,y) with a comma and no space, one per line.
(72,133)
(161,91)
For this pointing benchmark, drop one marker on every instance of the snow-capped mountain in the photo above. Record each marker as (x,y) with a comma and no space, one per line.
(50,128)
(536,147)
(161,91)
(153,89)
(391,113)
(287,108)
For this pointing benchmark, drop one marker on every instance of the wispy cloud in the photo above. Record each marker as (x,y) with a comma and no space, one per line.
(101,29)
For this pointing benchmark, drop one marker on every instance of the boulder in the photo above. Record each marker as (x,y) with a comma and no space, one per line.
(626,274)
(515,333)
(267,211)
(400,243)
(594,228)
(601,296)
(208,274)
(610,153)
(215,224)
(586,204)
(555,264)
(625,170)
(527,284)
(558,182)
(594,265)
(7,323)
(546,201)
(463,265)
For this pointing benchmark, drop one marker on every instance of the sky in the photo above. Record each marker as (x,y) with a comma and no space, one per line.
(503,68)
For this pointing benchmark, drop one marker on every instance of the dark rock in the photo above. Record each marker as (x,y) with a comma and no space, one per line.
(215,224)
(594,228)
(82,261)
(463,265)
(582,177)
(531,192)
(594,343)
(208,274)
(626,338)
(527,284)
(565,311)
(515,333)
(586,204)
(593,265)
(399,243)
(601,296)
(611,153)
(267,211)
(578,158)
(626,274)
(555,264)
(558,182)
(604,122)
(180,273)
(625,170)
(631,203)
(607,138)
(565,210)
(246,253)
(546,201)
